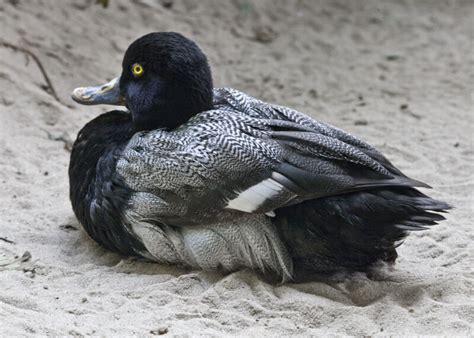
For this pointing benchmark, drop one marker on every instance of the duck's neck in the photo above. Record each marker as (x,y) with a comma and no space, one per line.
(165,115)
(171,106)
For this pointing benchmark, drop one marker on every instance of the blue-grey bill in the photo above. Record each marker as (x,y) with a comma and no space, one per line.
(108,93)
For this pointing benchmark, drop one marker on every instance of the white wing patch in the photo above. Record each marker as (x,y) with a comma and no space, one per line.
(252,198)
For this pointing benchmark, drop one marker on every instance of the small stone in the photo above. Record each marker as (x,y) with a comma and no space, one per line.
(392,57)
(404,106)
(313,93)
(104,3)
(361,122)
(375,20)
(161,331)
(26,256)
(456,145)
(265,34)
(167,3)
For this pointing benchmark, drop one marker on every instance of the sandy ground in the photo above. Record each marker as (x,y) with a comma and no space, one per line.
(398,74)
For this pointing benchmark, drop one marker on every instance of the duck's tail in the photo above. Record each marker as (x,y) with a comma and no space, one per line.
(353,231)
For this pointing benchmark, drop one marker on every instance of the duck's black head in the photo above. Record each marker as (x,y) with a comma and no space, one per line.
(165,80)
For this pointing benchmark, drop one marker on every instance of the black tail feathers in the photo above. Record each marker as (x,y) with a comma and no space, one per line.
(355,230)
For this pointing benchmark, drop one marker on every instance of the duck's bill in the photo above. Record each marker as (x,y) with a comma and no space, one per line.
(108,93)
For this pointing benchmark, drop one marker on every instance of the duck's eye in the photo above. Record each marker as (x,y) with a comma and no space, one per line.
(137,70)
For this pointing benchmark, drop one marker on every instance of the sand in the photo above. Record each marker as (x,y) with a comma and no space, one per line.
(398,74)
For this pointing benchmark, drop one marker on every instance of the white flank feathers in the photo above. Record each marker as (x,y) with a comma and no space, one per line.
(251,199)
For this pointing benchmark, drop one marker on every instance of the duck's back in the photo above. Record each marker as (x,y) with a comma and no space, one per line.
(350,231)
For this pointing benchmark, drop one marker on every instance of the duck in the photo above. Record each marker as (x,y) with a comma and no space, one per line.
(214,179)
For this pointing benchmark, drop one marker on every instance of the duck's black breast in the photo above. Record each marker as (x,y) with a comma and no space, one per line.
(97,193)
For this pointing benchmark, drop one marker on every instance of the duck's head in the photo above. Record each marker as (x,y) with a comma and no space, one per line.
(165,80)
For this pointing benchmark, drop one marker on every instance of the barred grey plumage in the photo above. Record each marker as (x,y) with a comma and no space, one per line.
(193,177)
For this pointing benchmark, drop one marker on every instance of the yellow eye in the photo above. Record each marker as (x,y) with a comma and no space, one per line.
(137,70)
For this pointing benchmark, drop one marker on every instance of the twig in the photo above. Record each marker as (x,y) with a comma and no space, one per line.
(6,240)
(38,63)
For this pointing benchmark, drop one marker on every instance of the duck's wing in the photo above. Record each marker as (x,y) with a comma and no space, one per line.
(229,98)
(232,160)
